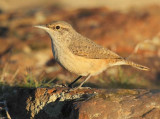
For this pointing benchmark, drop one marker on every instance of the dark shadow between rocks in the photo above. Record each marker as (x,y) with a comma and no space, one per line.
(16,99)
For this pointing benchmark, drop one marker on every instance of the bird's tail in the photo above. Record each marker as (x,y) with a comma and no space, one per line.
(138,66)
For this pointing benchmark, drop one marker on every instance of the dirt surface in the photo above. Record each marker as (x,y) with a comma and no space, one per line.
(26,56)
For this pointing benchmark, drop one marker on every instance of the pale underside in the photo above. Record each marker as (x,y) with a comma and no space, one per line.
(85,66)
(84,57)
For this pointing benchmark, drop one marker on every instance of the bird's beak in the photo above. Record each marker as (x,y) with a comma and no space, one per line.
(42,27)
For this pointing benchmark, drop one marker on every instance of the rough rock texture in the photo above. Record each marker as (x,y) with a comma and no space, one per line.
(60,103)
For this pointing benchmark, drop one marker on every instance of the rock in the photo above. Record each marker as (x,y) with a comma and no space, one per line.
(60,102)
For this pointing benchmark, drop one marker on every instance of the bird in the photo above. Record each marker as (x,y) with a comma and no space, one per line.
(79,54)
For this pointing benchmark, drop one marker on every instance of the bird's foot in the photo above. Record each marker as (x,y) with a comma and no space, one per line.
(60,85)
(77,88)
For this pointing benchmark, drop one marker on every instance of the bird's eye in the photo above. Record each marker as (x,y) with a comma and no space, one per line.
(57,27)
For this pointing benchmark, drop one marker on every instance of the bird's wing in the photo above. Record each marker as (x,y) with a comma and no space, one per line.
(86,48)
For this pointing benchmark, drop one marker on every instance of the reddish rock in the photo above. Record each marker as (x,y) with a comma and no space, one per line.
(60,103)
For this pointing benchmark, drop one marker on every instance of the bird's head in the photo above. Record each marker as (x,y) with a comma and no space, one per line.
(59,30)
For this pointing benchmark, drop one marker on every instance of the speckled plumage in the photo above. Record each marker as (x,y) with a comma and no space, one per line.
(84,47)
(79,54)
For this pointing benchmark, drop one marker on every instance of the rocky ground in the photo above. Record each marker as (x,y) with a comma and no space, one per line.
(63,103)
(26,59)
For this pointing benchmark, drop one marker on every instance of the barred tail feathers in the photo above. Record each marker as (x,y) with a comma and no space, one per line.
(138,66)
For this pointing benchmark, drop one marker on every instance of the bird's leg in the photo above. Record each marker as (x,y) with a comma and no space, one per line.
(84,81)
(80,86)
(71,84)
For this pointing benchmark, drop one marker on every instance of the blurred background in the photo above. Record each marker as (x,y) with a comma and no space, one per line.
(127,27)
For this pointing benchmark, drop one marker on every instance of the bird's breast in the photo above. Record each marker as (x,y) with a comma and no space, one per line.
(77,64)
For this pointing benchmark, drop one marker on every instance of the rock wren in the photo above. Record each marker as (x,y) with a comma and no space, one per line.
(79,54)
